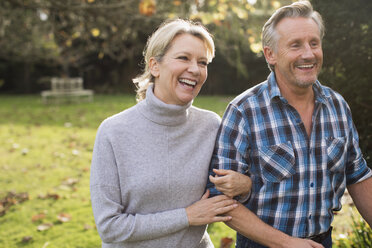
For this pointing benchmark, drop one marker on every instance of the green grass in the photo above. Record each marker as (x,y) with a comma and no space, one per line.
(46,152)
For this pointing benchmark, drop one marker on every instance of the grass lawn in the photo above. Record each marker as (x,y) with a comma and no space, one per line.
(45,156)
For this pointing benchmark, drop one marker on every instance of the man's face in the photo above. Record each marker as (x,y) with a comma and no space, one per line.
(299,56)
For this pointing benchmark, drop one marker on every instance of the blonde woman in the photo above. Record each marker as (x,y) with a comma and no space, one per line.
(150,162)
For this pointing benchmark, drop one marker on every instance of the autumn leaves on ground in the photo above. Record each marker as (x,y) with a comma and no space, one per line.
(45,156)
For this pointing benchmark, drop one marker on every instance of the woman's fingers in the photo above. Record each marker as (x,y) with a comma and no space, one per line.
(226,209)
(206,195)
(209,210)
(223,204)
(221,218)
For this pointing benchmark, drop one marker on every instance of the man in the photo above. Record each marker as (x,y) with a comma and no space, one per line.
(295,138)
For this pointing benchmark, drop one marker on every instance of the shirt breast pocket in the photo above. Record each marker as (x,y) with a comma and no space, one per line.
(336,152)
(277,162)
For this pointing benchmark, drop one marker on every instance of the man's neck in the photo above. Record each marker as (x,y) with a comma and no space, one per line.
(302,99)
(298,97)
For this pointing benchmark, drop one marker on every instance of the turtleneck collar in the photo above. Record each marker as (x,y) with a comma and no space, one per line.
(161,113)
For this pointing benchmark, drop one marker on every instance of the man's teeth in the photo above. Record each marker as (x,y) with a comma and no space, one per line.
(189,82)
(305,66)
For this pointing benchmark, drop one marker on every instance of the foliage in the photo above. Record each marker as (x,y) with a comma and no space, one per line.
(24,36)
(105,38)
(348,60)
(359,237)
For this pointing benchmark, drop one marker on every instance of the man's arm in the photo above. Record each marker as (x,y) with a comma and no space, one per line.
(248,224)
(362,196)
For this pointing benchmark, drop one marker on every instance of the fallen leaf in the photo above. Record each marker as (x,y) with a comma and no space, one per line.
(26,239)
(44,227)
(24,151)
(226,242)
(70,181)
(88,227)
(48,196)
(75,152)
(46,244)
(11,199)
(63,217)
(38,217)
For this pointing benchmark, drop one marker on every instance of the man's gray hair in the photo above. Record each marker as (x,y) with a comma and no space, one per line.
(298,9)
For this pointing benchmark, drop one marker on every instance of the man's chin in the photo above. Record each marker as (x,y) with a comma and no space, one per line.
(305,83)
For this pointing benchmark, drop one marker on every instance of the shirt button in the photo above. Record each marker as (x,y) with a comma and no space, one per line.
(311,185)
(309,216)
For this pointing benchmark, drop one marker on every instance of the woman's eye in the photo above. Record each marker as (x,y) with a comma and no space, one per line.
(182,57)
(204,63)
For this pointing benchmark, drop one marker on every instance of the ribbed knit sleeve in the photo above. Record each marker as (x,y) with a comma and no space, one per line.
(113,223)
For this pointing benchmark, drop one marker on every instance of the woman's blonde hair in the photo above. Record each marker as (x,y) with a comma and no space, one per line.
(159,43)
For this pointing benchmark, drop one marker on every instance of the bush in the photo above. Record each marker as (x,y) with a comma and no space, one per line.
(360,237)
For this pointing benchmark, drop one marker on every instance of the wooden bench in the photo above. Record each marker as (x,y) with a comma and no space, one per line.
(66,90)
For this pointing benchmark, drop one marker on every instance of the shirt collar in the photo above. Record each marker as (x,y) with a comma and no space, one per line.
(274,91)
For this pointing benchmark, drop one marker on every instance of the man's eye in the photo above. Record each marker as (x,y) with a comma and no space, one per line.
(182,57)
(314,44)
(204,63)
(295,45)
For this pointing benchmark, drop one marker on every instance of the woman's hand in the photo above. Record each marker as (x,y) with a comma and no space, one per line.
(208,210)
(231,183)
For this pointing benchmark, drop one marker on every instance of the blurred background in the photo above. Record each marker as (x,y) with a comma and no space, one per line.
(102,42)
(45,150)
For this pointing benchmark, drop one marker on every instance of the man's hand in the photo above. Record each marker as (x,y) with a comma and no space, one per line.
(300,243)
(231,183)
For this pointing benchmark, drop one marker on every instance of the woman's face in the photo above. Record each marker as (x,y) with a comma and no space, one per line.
(182,71)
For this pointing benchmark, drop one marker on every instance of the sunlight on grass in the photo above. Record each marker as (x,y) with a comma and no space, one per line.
(46,152)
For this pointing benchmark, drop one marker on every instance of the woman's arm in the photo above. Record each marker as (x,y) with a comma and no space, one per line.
(114,222)
(114,225)
(232,183)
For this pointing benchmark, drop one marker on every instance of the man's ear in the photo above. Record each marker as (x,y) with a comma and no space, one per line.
(154,67)
(269,55)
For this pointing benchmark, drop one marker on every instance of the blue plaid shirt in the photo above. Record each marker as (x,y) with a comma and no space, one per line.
(298,181)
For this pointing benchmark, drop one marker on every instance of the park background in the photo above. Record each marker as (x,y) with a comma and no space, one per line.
(45,150)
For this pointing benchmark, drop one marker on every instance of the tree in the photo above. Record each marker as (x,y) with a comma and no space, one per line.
(82,35)
(348,59)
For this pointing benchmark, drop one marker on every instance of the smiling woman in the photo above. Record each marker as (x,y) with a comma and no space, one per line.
(182,72)
(163,40)
(150,162)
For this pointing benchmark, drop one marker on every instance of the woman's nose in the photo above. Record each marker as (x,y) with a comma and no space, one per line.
(194,68)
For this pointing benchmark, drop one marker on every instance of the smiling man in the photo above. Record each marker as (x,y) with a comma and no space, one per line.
(296,139)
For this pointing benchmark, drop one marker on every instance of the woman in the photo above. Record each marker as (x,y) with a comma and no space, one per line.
(150,162)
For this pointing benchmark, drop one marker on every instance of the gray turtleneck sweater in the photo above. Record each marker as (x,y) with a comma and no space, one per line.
(149,163)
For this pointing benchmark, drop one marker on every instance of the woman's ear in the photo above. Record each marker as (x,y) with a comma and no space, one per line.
(269,55)
(154,67)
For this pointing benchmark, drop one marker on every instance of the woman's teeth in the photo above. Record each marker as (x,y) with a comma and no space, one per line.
(187,82)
